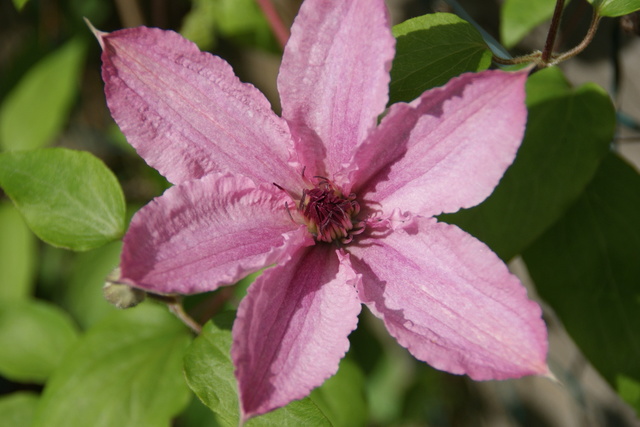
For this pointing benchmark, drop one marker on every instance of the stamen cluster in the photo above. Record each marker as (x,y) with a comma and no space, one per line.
(329,214)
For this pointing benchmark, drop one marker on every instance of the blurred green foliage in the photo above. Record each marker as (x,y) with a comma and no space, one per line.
(519,17)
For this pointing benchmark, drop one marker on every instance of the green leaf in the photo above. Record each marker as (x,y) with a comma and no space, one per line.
(199,24)
(68,198)
(547,84)
(17,409)
(196,415)
(19,4)
(519,17)
(209,373)
(387,384)
(568,133)
(243,20)
(126,371)
(33,338)
(629,390)
(238,20)
(35,111)
(586,267)
(83,297)
(614,8)
(430,50)
(17,255)
(341,398)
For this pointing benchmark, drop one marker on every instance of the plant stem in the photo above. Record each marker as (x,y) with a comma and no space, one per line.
(279,29)
(175,306)
(532,57)
(547,57)
(553,32)
(593,27)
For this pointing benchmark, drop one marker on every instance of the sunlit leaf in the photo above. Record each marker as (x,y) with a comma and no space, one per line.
(586,267)
(568,133)
(430,50)
(17,409)
(614,8)
(68,198)
(199,24)
(33,338)
(519,17)
(209,373)
(19,4)
(126,372)
(629,390)
(237,20)
(244,20)
(17,255)
(35,111)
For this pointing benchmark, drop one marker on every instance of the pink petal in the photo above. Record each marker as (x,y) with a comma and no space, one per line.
(292,327)
(207,233)
(451,301)
(187,114)
(450,150)
(334,78)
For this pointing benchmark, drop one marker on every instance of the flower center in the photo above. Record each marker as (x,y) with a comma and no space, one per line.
(329,214)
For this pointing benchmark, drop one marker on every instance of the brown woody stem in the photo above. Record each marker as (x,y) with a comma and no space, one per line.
(553,32)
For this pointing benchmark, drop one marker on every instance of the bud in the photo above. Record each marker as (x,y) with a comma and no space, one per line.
(119,294)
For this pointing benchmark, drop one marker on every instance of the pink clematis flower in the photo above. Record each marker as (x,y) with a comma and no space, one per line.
(343,206)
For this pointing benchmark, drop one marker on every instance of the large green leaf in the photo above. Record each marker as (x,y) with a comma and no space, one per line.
(615,7)
(33,338)
(17,255)
(209,373)
(35,111)
(69,198)
(126,372)
(586,267)
(83,296)
(568,133)
(430,50)
(519,17)
(16,409)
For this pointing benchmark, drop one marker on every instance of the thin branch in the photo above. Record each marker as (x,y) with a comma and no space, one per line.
(553,32)
(279,29)
(593,27)
(532,57)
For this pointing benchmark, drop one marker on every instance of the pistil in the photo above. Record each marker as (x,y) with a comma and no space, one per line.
(330,216)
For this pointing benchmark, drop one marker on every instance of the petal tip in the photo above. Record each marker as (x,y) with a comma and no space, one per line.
(550,375)
(97,33)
